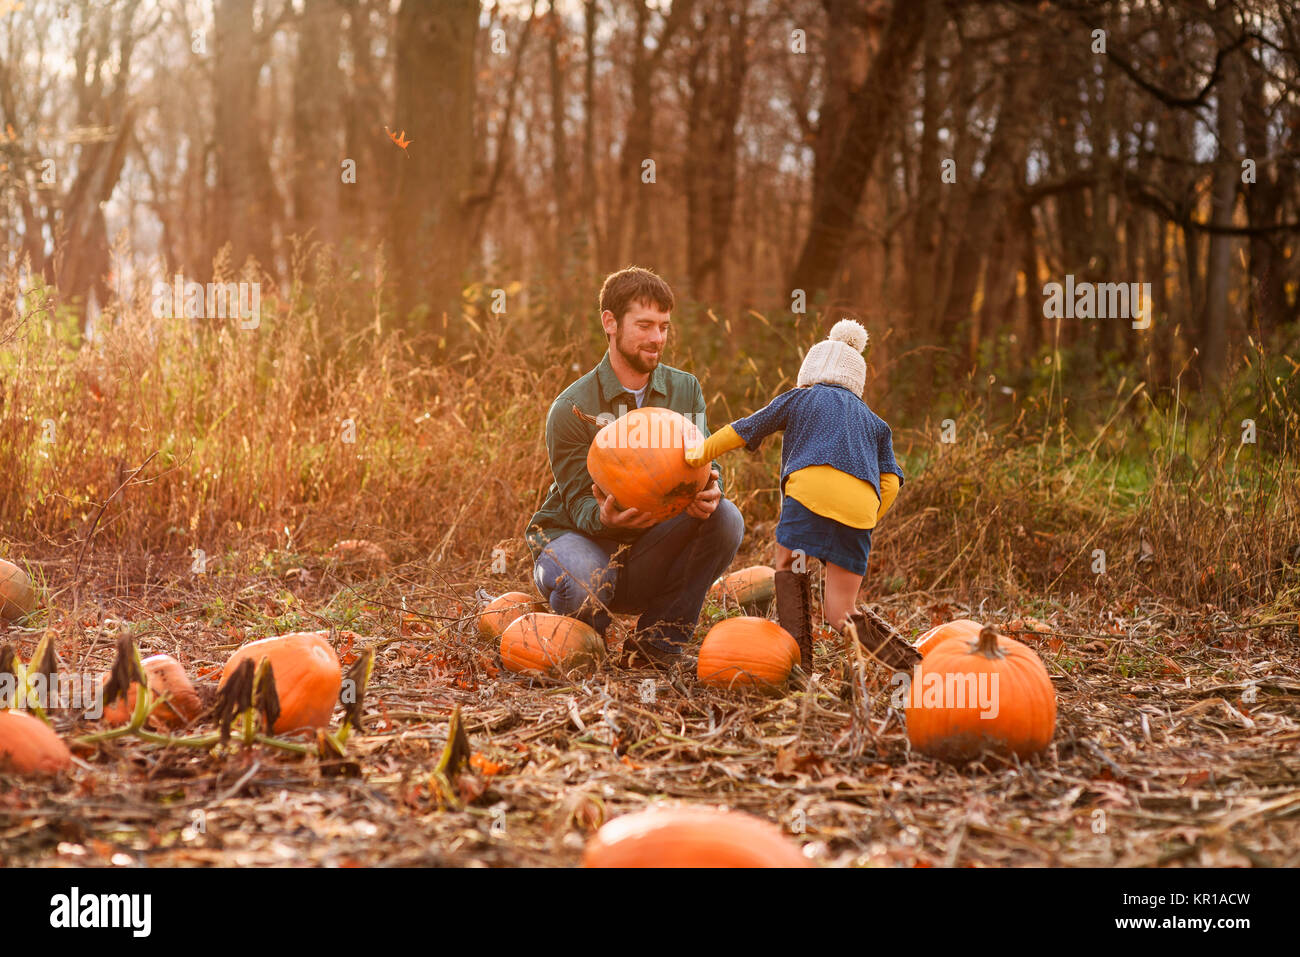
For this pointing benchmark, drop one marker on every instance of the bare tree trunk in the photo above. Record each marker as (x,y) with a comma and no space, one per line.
(596,238)
(876,103)
(245,201)
(1264,202)
(429,222)
(1227,174)
(82,247)
(925,223)
(362,132)
(638,140)
(716,76)
(317,94)
(559,151)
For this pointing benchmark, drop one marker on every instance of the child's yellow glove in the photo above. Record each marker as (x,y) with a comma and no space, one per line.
(716,444)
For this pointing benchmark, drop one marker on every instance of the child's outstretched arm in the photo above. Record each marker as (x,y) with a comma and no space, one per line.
(724,440)
(749,431)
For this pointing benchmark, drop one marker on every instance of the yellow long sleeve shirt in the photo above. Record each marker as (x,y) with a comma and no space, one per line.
(821,488)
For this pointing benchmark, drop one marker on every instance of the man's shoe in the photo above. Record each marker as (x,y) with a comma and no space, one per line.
(881,640)
(794,612)
(644,650)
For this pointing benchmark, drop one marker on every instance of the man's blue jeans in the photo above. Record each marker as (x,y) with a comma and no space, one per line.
(664,575)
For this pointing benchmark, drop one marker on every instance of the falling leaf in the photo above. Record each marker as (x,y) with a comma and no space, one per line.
(400,139)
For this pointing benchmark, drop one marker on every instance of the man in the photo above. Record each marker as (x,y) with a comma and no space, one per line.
(590,558)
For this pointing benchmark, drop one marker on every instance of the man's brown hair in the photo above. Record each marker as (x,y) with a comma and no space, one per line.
(634,284)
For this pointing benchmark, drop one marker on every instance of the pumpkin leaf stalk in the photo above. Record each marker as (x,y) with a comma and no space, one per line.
(45,663)
(126,670)
(9,665)
(266,700)
(454,760)
(235,697)
(352,693)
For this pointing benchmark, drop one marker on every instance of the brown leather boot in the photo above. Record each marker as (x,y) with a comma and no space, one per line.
(881,640)
(794,612)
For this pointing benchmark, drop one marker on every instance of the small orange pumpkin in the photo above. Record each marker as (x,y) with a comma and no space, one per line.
(990,693)
(961,628)
(307,672)
(16,596)
(166,677)
(746,652)
(501,611)
(748,587)
(690,837)
(549,644)
(29,746)
(640,458)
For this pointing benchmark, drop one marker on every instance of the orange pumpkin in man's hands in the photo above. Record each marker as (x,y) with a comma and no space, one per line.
(640,459)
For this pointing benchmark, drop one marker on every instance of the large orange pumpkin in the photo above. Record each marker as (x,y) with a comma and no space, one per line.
(549,644)
(29,746)
(748,587)
(16,596)
(308,677)
(961,628)
(501,611)
(690,837)
(990,693)
(640,458)
(166,677)
(746,652)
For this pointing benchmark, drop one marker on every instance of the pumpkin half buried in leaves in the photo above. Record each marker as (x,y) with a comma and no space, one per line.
(308,677)
(166,678)
(549,644)
(990,693)
(640,458)
(748,587)
(501,611)
(690,837)
(29,746)
(16,596)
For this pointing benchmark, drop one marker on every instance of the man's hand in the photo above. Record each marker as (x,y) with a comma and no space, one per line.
(611,517)
(707,500)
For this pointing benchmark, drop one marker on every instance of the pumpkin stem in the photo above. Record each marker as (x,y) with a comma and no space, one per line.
(589,419)
(988,643)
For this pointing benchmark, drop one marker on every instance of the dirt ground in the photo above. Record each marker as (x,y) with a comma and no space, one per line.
(1177,741)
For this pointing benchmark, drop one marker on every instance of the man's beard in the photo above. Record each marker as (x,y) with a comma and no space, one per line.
(634,358)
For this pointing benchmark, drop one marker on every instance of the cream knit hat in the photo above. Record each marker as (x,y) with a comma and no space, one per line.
(838,359)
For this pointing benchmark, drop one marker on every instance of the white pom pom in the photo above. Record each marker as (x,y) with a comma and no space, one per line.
(851,332)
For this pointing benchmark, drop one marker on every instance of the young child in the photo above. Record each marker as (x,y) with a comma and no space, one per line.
(838,477)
